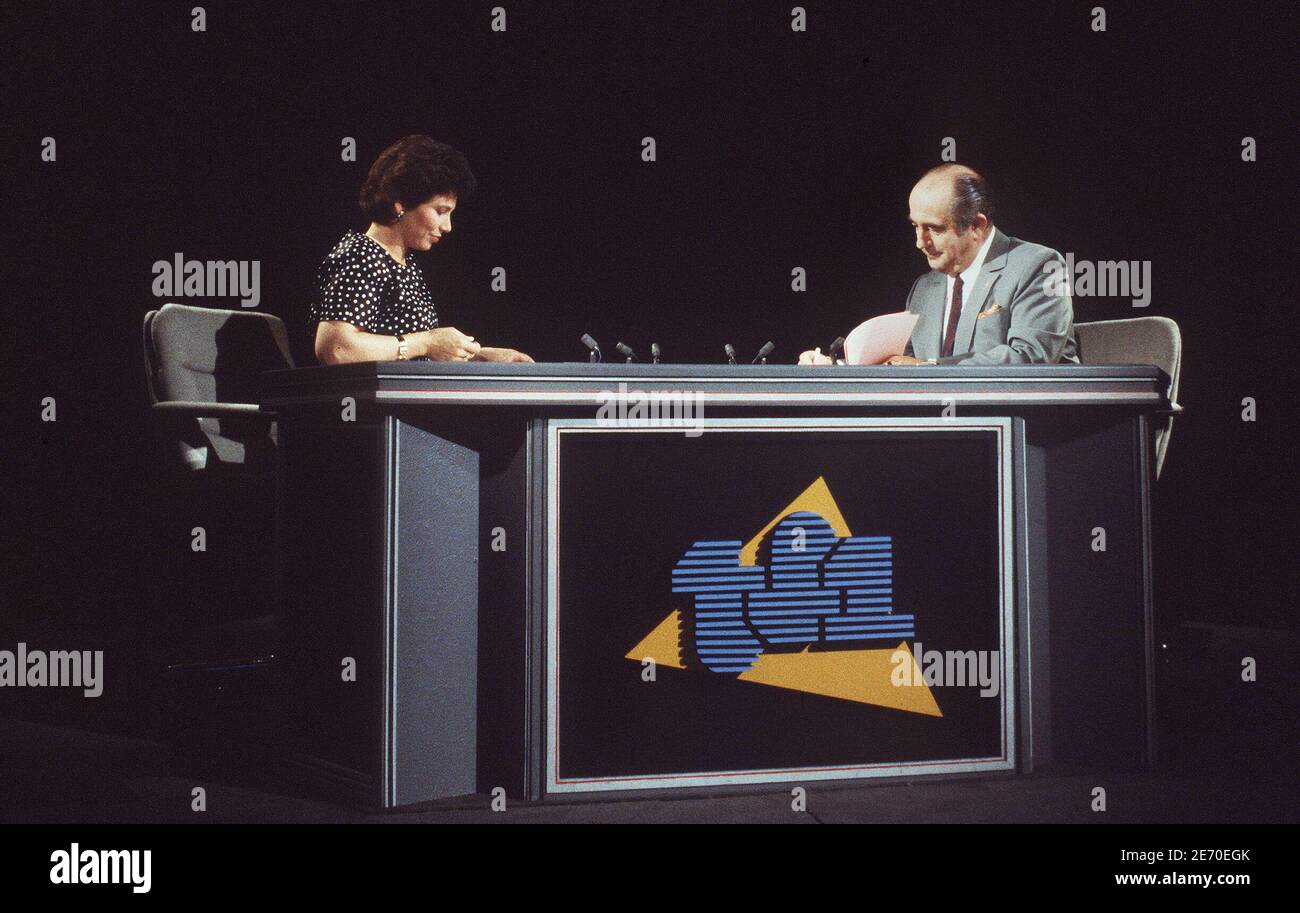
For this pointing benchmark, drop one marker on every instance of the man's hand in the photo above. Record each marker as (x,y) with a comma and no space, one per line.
(492,353)
(906,360)
(448,344)
(815,357)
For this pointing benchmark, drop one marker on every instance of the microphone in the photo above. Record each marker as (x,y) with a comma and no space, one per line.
(836,347)
(764,352)
(626,350)
(654,352)
(593,346)
(731,353)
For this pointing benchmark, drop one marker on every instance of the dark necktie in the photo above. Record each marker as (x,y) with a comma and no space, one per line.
(950,334)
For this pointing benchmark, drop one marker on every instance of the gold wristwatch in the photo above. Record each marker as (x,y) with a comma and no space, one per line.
(401,347)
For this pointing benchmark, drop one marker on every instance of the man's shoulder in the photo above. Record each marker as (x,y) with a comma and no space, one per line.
(1026,255)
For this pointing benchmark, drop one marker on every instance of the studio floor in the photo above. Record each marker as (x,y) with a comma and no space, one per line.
(1228,753)
(59,775)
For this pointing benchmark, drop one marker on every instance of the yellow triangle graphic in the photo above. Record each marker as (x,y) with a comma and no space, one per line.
(663,644)
(816,498)
(864,676)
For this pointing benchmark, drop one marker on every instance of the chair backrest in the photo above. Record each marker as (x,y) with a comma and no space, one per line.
(1137,341)
(206,355)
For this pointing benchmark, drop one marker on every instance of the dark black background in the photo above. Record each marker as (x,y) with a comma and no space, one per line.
(671,491)
(775,150)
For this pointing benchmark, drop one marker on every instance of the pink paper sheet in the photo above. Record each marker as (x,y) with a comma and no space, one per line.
(879,339)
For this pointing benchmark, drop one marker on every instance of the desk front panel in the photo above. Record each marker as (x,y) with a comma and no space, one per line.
(777,600)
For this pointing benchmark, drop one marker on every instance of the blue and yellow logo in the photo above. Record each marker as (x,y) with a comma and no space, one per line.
(818,586)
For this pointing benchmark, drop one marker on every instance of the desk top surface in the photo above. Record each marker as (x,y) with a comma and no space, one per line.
(582,384)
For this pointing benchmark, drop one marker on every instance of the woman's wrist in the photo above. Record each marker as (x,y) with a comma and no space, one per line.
(421,343)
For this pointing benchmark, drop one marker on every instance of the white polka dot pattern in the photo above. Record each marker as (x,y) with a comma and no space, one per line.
(360,283)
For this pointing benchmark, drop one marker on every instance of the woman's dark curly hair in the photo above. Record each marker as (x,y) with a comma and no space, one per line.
(411,171)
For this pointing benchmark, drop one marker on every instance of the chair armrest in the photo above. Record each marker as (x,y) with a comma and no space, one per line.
(186,409)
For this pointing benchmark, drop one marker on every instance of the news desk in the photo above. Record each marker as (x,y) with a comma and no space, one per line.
(512,576)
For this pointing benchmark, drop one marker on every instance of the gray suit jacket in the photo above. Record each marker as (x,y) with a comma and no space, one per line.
(1018,322)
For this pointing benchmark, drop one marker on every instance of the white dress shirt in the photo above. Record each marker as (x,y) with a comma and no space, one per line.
(968,277)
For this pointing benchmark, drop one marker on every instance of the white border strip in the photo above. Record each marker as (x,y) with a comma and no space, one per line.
(1006,588)
(388,759)
(651,379)
(811,397)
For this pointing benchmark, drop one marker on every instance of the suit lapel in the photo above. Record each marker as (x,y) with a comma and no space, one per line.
(984,282)
(926,333)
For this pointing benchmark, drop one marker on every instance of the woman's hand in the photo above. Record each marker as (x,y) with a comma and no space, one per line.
(492,353)
(448,344)
(814,357)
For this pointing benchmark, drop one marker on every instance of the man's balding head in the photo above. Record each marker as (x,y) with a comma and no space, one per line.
(969,192)
(952,214)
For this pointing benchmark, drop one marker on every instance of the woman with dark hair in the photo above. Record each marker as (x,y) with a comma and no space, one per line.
(371,301)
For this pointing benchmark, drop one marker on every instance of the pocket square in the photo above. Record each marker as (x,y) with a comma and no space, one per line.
(988,311)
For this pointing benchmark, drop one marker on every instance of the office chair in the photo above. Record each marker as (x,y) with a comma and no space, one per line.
(1138,341)
(203,367)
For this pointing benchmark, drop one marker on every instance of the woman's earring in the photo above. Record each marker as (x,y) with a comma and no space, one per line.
(400,213)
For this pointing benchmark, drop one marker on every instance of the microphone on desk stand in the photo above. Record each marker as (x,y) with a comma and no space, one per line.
(626,350)
(654,352)
(761,357)
(591,344)
(836,347)
(731,353)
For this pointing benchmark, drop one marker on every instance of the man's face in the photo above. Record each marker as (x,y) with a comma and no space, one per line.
(930,208)
(424,226)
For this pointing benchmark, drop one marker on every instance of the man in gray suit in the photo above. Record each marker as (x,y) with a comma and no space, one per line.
(986,299)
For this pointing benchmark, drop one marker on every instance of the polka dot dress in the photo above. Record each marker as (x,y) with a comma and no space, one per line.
(360,283)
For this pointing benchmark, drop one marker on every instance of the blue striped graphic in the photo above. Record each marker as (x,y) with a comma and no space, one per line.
(816,588)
